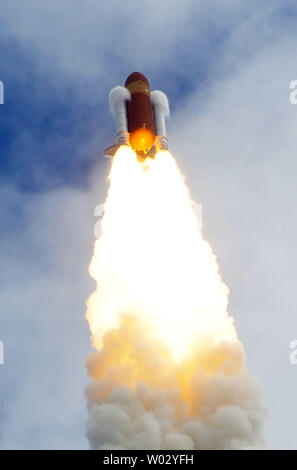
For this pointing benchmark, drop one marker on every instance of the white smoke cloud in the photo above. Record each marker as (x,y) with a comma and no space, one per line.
(227,411)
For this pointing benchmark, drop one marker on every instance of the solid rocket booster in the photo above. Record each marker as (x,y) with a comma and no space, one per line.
(140,117)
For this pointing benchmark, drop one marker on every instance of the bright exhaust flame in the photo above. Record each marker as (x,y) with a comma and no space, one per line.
(154,258)
(159,321)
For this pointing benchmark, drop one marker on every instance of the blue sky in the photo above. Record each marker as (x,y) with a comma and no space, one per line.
(226,68)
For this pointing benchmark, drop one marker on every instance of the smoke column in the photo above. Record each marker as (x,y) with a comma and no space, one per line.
(168,371)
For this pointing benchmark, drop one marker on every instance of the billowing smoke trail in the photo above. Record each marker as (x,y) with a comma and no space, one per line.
(169,369)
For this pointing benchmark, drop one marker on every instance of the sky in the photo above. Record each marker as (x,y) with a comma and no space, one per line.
(226,67)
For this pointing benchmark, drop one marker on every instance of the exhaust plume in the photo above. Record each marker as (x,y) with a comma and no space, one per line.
(169,370)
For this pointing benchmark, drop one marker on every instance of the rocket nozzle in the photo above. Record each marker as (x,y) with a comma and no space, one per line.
(161,142)
(123,138)
(142,139)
